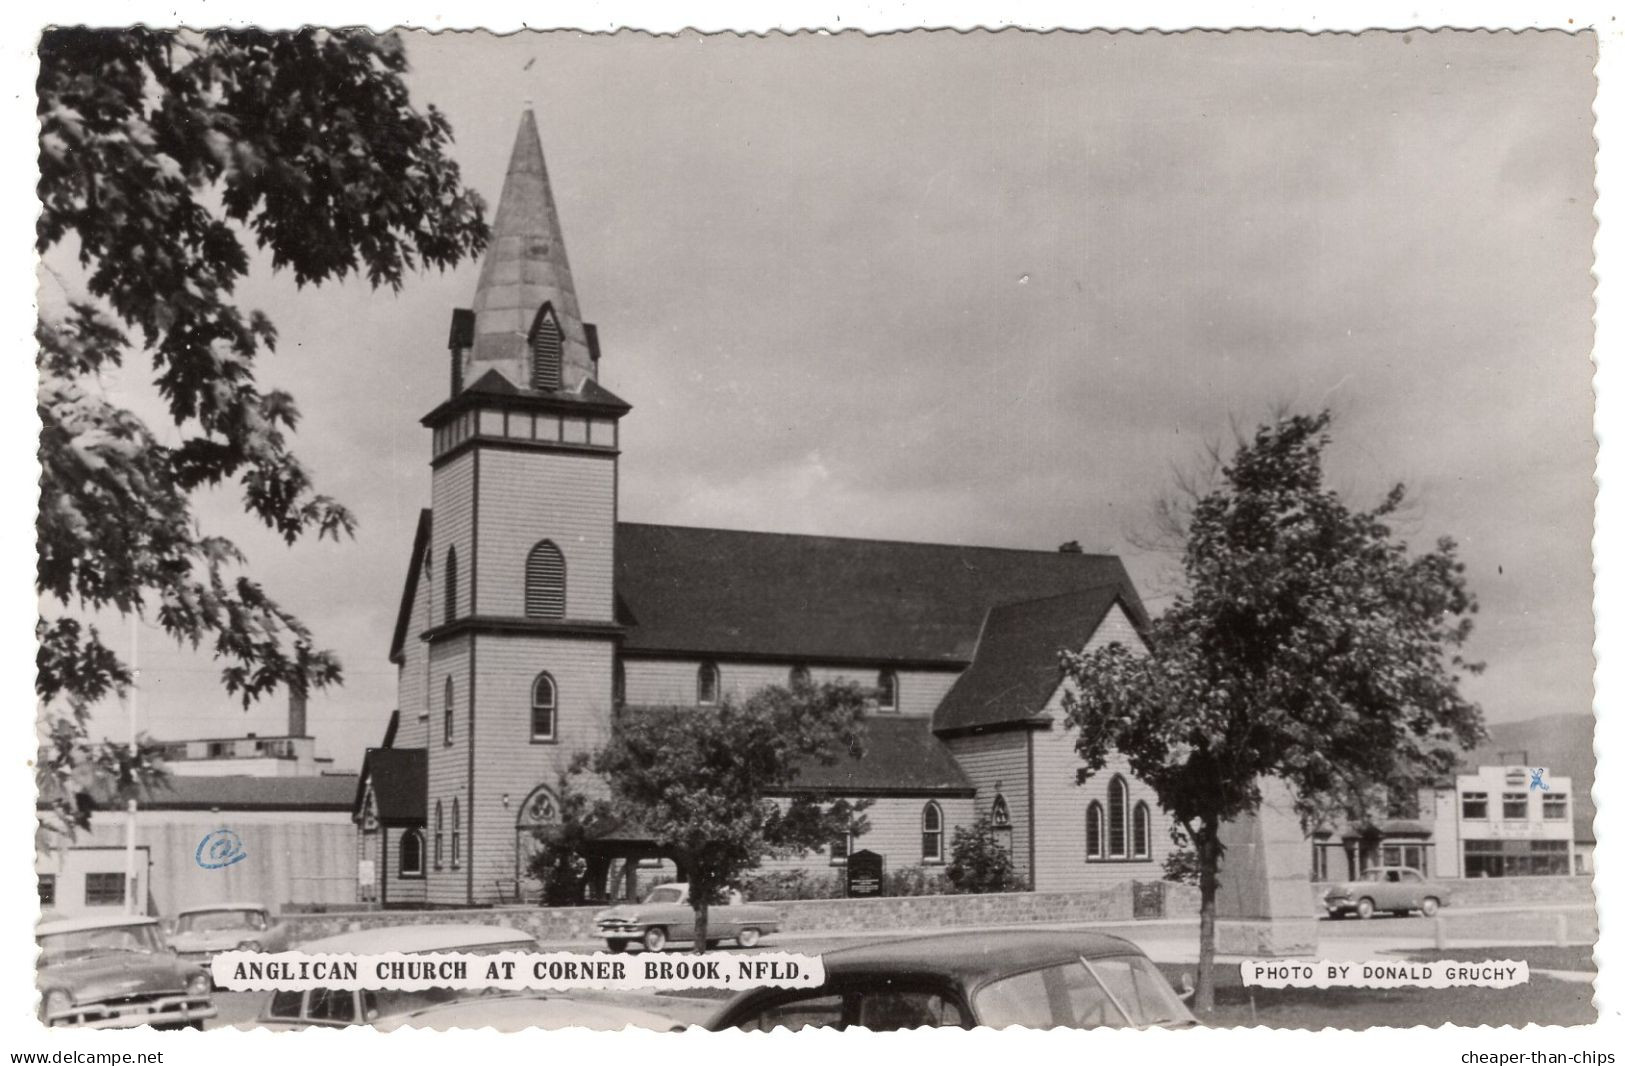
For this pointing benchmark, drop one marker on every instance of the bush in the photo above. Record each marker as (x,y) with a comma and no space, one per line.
(979,861)
(771,885)
(917,881)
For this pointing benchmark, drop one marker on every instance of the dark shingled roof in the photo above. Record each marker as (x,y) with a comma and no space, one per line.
(900,756)
(403,615)
(326,792)
(1017,668)
(718,592)
(400,785)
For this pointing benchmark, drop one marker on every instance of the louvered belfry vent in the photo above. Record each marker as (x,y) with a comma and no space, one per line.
(544,582)
(546,351)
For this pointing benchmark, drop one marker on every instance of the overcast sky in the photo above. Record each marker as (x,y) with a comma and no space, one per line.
(992,289)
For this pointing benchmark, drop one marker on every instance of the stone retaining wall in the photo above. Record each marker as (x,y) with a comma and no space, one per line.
(555,924)
(1494,891)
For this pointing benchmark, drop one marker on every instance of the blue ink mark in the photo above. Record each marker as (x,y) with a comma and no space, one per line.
(219,849)
(1535,780)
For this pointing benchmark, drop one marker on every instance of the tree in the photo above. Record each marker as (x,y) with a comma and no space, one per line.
(707,784)
(160,153)
(979,861)
(1308,645)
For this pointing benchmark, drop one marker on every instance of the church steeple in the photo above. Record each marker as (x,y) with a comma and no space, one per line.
(526,321)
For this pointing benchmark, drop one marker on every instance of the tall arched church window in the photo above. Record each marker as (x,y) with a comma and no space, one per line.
(544,582)
(1094,830)
(1117,819)
(931,833)
(886,691)
(456,832)
(412,853)
(618,691)
(546,350)
(708,684)
(1142,831)
(544,706)
(537,815)
(449,593)
(439,833)
(450,701)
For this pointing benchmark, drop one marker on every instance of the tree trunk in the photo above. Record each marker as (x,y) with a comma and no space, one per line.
(702,920)
(1207,853)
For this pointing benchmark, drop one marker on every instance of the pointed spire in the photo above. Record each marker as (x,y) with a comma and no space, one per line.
(525,268)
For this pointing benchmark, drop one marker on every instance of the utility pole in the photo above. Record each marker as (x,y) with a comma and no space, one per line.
(130,807)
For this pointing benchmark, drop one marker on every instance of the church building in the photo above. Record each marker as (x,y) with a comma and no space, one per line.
(532,615)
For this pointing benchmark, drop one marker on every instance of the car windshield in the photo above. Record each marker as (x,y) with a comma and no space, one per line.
(84,943)
(386,1003)
(1371,875)
(1063,996)
(664,894)
(1142,990)
(219,921)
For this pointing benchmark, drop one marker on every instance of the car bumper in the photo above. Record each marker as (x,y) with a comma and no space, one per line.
(177,1010)
(619,930)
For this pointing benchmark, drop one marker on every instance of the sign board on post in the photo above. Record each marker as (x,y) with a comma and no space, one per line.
(865,874)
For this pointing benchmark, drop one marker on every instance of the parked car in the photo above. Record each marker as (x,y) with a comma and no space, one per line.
(116,972)
(1397,889)
(440,1008)
(201,933)
(665,916)
(1040,979)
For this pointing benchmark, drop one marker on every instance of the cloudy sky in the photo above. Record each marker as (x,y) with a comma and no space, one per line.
(993,289)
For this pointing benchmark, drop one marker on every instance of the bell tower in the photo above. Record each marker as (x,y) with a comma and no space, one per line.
(520,567)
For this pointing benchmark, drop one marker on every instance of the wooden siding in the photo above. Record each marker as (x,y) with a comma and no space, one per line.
(530,496)
(997,763)
(508,763)
(453,501)
(405,890)
(894,831)
(412,693)
(674,682)
(448,764)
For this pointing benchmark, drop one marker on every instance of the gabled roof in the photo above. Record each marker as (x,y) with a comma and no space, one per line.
(403,616)
(1017,665)
(400,785)
(492,389)
(721,593)
(900,756)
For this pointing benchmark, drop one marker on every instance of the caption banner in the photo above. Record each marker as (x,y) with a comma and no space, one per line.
(1323,973)
(257,971)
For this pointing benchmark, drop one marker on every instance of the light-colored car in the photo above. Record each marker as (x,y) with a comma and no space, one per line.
(116,972)
(1041,979)
(514,1011)
(1395,889)
(665,916)
(201,933)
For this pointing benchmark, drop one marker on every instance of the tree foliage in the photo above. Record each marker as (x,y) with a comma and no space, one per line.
(162,154)
(707,784)
(979,861)
(1309,645)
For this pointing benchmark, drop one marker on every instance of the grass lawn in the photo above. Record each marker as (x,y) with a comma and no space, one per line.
(1544,1001)
(1538,956)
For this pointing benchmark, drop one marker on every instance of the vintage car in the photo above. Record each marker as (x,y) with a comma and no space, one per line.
(511,1012)
(1042,979)
(116,972)
(1396,889)
(201,933)
(665,916)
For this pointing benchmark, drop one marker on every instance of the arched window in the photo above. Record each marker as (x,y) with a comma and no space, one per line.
(546,349)
(544,705)
(450,706)
(439,832)
(618,693)
(1117,819)
(709,683)
(886,691)
(1001,812)
(412,853)
(931,833)
(1142,831)
(544,582)
(1093,830)
(456,833)
(800,676)
(450,591)
(539,811)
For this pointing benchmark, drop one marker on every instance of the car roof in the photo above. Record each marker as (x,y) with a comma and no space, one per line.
(204,908)
(973,955)
(78,925)
(524,1010)
(416,938)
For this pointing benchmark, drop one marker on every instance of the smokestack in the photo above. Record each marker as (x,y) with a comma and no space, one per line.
(296,713)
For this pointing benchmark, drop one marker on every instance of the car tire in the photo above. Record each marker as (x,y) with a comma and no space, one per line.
(1430,907)
(616,946)
(1365,908)
(1335,916)
(749,937)
(654,938)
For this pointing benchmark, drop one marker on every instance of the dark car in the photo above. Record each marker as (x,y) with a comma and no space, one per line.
(115,973)
(1042,979)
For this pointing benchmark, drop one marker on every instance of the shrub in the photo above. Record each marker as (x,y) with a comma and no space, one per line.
(979,861)
(770,885)
(917,881)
